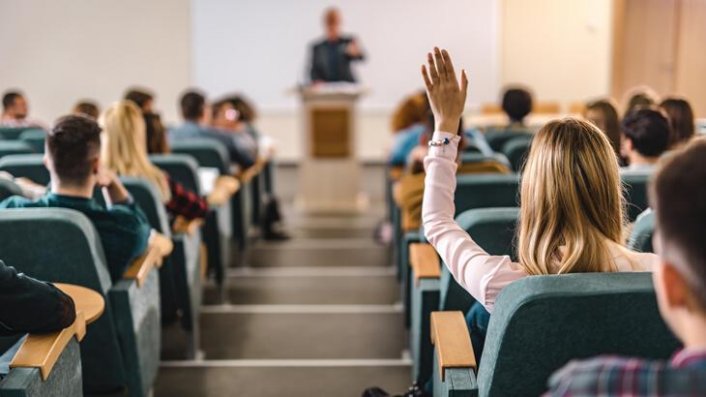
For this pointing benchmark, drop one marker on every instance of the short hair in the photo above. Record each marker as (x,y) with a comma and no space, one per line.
(517,103)
(88,109)
(681,119)
(648,129)
(8,99)
(677,194)
(73,143)
(192,104)
(139,96)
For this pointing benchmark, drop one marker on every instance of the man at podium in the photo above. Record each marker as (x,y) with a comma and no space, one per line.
(332,57)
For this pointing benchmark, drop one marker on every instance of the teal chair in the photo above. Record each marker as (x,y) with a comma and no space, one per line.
(494,230)
(216,231)
(8,189)
(540,323)
(516,150)
(497,138)
(30,166)
(121,353)
(641,235)
(34,138)
(63,380)
(636,193)
(14,147)
(13,133)
(180,275)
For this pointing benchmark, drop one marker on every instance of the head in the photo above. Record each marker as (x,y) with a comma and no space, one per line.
(87,109)
(193,106)
(245,108)
(14,105)
(571,200)
(142,98)
(677,195)
(638,98)
(604,115)
(413,110)
(332,23)
(124,148)
(645,136)
(681,120)
(156,134)
(72,152)
(517,104)
(224,115)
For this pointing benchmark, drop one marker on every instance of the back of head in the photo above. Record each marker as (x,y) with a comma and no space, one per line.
(140,97)
(8,99)
(517,104)
(638,98)
(413,110)
(193,105)
(681,120)
(648,130)
(156,134)
(73,145)
(678,196)
(571,200)
(604,115)
(246,110)
(88,109)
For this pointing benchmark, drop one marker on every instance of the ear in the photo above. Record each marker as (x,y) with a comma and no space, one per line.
(95,165)
(674,287)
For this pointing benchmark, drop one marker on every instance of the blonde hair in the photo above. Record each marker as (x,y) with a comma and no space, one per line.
(571,201)
(124,147)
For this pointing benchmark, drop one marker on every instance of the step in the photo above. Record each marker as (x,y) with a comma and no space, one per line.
(319,252)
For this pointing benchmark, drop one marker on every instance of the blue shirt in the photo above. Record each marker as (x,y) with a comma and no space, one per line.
(405,141)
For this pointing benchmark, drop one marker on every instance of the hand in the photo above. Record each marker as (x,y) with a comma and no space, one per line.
(113,189)
(353,50)
(106,177)
(446,98)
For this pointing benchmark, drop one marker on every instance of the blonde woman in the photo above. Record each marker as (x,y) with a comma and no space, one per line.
(125,152)
(571,215)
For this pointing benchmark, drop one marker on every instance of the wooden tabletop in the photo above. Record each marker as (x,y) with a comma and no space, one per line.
(86,300)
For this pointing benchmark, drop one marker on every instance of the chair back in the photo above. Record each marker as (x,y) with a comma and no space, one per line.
(498,137)
(641,235)
(478,163)
(14,147)
(516,150)
(180,167)
(34,138)
(206,152)
(636,193)
(29,166)
(486,191)
(147,197)
(13,133)
(542,322)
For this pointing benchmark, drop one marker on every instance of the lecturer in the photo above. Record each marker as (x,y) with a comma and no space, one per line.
(331,58)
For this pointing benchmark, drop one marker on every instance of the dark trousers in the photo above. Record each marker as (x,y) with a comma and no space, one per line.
(477,319)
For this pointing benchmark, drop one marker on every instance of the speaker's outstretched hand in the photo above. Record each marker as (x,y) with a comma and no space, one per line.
(446,96)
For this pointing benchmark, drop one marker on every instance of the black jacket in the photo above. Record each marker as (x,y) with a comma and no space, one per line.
(31,306)
(322,55)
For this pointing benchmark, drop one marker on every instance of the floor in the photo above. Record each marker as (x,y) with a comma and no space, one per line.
(318,315)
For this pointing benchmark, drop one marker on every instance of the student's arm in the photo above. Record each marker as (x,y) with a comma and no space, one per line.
(481,274)
(31,306)
(113,190)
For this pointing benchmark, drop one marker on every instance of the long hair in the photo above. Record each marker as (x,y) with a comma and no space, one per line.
(611,120)
(571,201)
(124,148)
(681,120)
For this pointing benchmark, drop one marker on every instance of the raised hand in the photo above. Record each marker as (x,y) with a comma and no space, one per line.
(446,97)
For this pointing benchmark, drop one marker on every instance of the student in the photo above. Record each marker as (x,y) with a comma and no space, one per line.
(87,109)
(639,97)
(676,194)
(681,120)
(567,224)
(15,110)
(604,115)
(155,132)
(73,160)
(193,110)
(413,110)
(226,118)
(645,137)
(517,104)
(125,152)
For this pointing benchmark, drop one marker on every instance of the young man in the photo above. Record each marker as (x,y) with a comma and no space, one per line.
(517,104)
(15,110)
(645,137)
(193,110)
(677,196)
(73,160)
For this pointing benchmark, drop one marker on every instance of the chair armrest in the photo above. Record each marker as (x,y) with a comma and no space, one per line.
(141,267)
(86,301)
(424,261)
(449,335)
(161,243)
(184,226)
(224,187)
(247,175)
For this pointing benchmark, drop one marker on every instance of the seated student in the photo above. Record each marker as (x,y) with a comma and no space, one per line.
(29,306)
(73,160)
(645,137)
(193,110)
(125,152)
(87,109)
(676,194)
(413,110)
(567,224)
(517,104)
(639,97)
(15,110)
(156,133)
(681,120)
(225,118)
(604,115)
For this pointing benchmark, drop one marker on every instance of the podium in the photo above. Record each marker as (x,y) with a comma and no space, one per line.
(329,174)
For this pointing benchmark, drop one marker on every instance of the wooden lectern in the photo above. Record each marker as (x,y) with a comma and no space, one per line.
(329,174)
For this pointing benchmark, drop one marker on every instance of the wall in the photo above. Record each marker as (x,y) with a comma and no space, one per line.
(59,51)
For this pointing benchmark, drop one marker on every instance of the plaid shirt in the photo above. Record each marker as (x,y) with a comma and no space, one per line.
(185,202)
(684,375)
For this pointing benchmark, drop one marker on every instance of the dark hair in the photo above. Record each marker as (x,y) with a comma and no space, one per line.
(612,120)
(517,103)
(677,195)
(88,109)
(648,130)
(8,99)
(72,144)
(246,110)
(156,134)
(638,101)
(192,105)
(216,107)
(681,119)
(139,96)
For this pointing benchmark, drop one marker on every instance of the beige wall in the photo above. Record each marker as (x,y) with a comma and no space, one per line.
(560,48)
(58,51)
